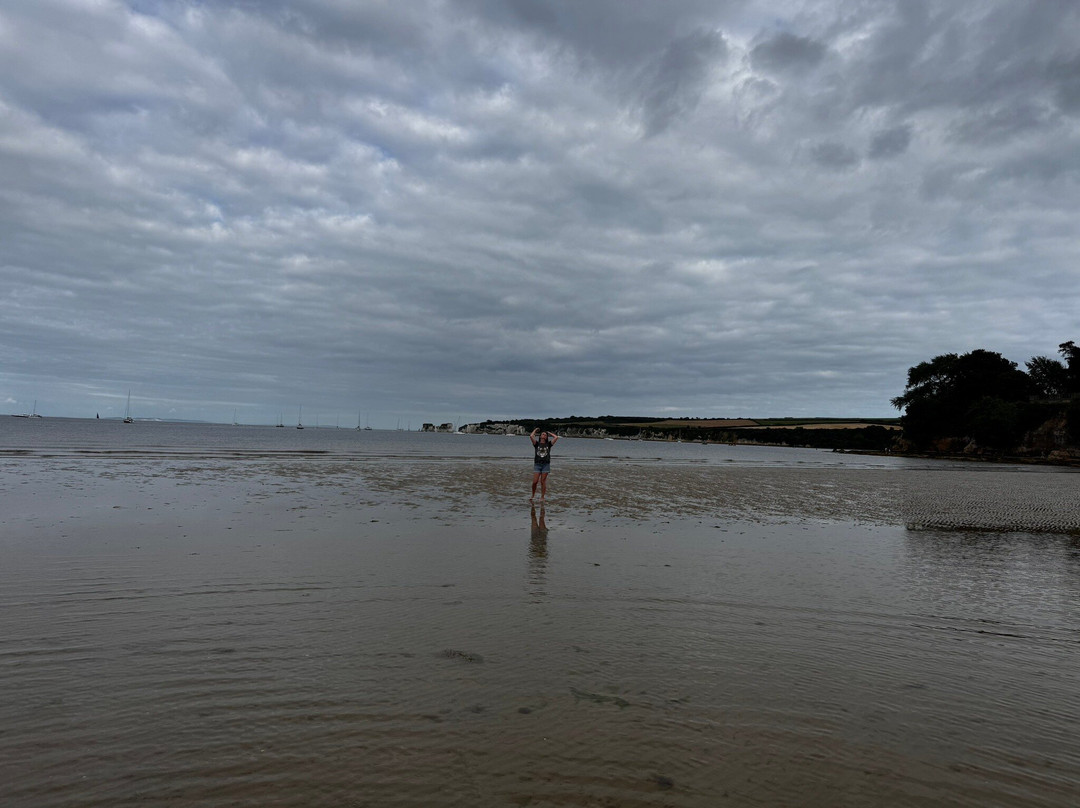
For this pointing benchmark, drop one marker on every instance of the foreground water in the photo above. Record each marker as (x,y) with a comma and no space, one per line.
(216,616)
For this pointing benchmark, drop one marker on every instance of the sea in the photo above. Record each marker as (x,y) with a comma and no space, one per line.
(220,615)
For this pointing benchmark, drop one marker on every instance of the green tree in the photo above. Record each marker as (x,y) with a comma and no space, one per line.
(995,423)
(1071,354)
(951,396)
(1049,377)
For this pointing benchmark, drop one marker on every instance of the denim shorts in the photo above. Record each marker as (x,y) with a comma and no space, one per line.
(541,468)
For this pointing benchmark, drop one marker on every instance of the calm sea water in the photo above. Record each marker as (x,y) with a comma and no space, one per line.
(213,615)
(85,437)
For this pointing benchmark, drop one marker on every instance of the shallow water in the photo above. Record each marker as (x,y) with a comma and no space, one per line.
(191,624)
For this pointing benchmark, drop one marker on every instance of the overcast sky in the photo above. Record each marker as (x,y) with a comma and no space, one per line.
(444,209)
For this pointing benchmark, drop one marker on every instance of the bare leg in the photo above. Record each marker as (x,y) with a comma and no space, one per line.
(543,487)
(536,479)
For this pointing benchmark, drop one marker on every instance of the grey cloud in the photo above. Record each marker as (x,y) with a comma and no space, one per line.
(1065,74)
(610,33)
(679,76)
(997,125)
(919,56)
(890,142)
(787,51)
(383,28)
(834,155)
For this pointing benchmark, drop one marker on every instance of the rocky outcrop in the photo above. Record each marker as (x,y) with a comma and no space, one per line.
(583,432)
(1050,436)
(494,428)
(499,428)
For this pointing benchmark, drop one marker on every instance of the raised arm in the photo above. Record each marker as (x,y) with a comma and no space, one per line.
(532,435)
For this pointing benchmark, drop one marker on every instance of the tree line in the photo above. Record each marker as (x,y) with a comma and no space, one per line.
(872,437)
(981,401)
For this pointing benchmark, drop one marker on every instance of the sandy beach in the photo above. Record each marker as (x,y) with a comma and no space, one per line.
(307,630)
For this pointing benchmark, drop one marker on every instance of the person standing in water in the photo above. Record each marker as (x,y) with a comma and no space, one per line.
(541,461)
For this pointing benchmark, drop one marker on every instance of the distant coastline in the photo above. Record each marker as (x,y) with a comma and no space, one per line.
(118,419)
(848,434)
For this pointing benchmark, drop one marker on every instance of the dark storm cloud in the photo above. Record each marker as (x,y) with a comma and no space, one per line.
(440,209)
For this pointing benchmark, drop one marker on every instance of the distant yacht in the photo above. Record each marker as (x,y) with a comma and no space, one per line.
(358,427)
(300,418)
(127,412)
(281,420)
(32,414)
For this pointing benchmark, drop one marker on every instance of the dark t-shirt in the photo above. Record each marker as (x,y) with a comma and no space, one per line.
(541,452)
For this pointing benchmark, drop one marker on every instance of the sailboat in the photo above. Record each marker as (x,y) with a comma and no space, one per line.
(127,412)
(358,427)
(32,414)
(299,418)
(281,419)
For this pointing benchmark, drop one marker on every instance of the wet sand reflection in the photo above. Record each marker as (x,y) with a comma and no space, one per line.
(538,547)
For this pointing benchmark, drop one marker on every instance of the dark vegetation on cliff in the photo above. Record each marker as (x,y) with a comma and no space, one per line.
(982,404)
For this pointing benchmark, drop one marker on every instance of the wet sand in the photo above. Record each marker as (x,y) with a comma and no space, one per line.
(286,630)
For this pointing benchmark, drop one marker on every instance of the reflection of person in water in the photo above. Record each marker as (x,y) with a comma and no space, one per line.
(538,534)
(541,461)
(538,549)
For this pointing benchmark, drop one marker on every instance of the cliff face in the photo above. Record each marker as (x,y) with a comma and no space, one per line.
(1053,440)
(1050,436)
(494,429)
